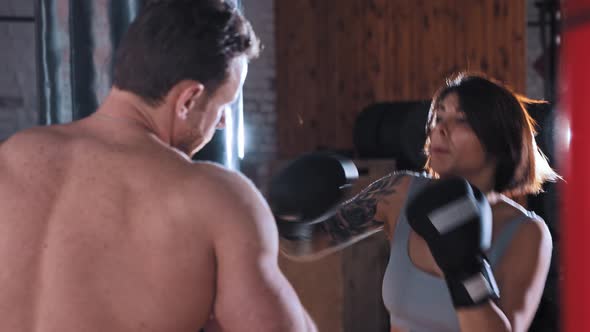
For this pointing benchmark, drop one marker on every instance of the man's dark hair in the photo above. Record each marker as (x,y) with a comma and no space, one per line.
(175,40)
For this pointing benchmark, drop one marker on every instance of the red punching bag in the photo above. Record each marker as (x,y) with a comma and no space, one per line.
(575,139)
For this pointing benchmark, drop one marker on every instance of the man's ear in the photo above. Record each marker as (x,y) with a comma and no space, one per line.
(190,94)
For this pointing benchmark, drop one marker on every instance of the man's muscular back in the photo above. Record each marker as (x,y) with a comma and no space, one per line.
(97,235)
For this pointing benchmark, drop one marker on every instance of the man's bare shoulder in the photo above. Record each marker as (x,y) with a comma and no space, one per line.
(34,136)
(234,211)
(215,177)
(229,194)
(37,143)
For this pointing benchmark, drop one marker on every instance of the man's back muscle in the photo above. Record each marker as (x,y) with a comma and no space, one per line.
(97,236)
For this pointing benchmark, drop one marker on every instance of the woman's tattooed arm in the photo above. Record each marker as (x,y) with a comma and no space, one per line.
(359,214)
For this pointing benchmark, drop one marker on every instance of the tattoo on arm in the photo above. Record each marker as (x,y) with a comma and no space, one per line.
(358,214)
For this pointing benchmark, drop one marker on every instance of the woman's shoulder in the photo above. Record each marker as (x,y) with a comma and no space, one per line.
(394,189)
(507,210)
(529,246)
(413,174)
(411,178)
(530,230)
(397,182)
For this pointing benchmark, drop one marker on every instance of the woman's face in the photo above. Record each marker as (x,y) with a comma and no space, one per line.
(454,147)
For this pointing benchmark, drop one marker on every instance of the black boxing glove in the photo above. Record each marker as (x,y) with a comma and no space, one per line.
(307,191)
(455,220)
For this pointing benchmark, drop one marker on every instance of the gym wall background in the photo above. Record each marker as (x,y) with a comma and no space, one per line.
(18,75)
(265,126)
(18,90)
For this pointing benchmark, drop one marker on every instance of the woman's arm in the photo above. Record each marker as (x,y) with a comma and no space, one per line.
(367,209)
(365,214)
(521,279)
(486,317)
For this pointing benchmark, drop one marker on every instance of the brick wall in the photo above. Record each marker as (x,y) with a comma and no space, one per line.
(260,95)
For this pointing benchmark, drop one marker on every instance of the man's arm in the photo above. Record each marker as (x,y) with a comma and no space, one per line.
(365,214)
(252,294)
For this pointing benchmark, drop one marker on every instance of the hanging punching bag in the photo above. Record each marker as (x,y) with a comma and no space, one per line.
(575,162)
(77,40)
(76,43)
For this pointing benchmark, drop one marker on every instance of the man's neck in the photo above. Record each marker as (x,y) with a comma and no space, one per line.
(127,108)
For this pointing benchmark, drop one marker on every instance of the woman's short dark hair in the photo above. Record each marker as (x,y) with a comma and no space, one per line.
(503,126)
(175,40)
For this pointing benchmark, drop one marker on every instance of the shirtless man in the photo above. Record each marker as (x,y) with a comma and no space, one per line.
(106,223)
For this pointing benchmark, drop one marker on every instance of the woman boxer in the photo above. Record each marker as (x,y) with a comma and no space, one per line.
(479,131)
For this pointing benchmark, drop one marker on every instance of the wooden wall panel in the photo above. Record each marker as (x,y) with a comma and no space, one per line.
(334,57)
